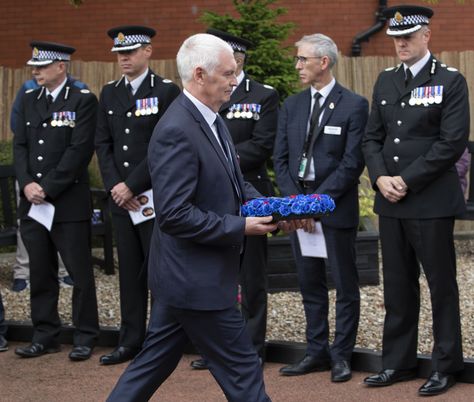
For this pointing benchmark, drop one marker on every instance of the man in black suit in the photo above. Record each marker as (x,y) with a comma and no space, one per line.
(251,116)
(53,145)
(196,245)
(128,111)
(418,129)
(318,150)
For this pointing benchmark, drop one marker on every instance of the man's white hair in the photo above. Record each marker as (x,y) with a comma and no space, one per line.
(322,46)
(200,50)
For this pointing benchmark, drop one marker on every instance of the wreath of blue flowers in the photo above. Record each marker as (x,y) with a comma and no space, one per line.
(291,207)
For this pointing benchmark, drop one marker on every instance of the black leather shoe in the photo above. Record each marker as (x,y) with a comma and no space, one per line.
(35,350)
(3,344)
(199,364)
(79,353)
(341,371)
(305,366)
(389,377)
(119,355)
(437,384)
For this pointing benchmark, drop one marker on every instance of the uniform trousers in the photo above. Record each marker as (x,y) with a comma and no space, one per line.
(133,243)
(72,240)
(220,336)
(405,244)
(340,244)
(253,281)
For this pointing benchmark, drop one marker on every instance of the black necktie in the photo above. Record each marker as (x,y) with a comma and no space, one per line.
(225,147)
(315,113)
(130,90)
(408,77)
(50,99)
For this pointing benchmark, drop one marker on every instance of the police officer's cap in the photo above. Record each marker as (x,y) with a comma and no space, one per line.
(129,37)
(237,44)
(405,19)
(45,53)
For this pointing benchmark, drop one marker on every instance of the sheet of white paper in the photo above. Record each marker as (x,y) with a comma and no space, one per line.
(42,213)
(147,209)
(313,244)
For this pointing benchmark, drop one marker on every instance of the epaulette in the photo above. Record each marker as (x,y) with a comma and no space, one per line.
(29,90)
(85,91)
(167,81)
(452,69)
(268,86)
(110,82)
(390,68)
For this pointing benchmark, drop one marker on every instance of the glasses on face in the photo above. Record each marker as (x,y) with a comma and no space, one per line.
(304,59)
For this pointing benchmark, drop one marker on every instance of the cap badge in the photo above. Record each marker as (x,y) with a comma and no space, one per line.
(35,52)
(121,37)
(398,17)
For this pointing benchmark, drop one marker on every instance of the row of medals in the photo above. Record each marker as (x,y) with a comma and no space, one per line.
(146,107)
(248,111)
(66,119)
(426,95)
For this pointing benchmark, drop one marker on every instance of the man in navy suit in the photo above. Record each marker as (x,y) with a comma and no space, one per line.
(318,150)
(198,237)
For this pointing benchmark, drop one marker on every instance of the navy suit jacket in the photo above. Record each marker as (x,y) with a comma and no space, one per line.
(196,243)
(338,158)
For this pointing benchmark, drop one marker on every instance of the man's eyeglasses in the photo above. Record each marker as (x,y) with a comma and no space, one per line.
(304,60)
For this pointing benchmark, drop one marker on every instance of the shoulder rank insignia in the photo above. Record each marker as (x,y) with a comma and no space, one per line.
(110,82)
(29,90)
(452,69)
(85,91)
(390,68)
(268,86)
(167,81)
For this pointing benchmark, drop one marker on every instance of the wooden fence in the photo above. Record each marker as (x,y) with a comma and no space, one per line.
(356,73)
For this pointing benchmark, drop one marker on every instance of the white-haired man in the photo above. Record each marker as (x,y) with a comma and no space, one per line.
(198,237)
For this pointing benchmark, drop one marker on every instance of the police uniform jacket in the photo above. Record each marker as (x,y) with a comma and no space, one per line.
(253,138)
(122,137)
(57,155)
(419,142)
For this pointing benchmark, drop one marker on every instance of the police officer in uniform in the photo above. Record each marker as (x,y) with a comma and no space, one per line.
(128,111)
(53,145)
(251,116)
(417,130)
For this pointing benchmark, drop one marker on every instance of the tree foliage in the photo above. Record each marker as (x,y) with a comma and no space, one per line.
(268,61)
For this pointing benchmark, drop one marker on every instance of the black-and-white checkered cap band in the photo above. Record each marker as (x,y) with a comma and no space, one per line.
(237,47)
(405,25)
(44,57)
(129,42)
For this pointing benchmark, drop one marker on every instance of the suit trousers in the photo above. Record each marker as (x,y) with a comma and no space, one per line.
(405,244)
(253,281)
(220,336)
(133,243)
(312,280)
(72,240)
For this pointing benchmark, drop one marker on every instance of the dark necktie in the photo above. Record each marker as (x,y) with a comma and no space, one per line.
(50,99)
(130,90)
(408,77)
(225,147)
(315,113)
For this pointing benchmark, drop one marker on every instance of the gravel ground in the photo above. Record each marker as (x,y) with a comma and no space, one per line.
(286,317)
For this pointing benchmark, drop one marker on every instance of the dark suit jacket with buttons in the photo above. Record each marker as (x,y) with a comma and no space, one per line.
(254,139)
(198,235)
(338,158)
(122,138)
(420,143)
(56,157)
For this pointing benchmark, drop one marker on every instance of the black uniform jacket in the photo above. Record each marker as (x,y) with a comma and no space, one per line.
(57,155)
(122,137)
(420,142)
(253,138)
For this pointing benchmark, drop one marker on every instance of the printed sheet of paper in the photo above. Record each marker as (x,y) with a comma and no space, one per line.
(313,244)
(147,209)
(43,213)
